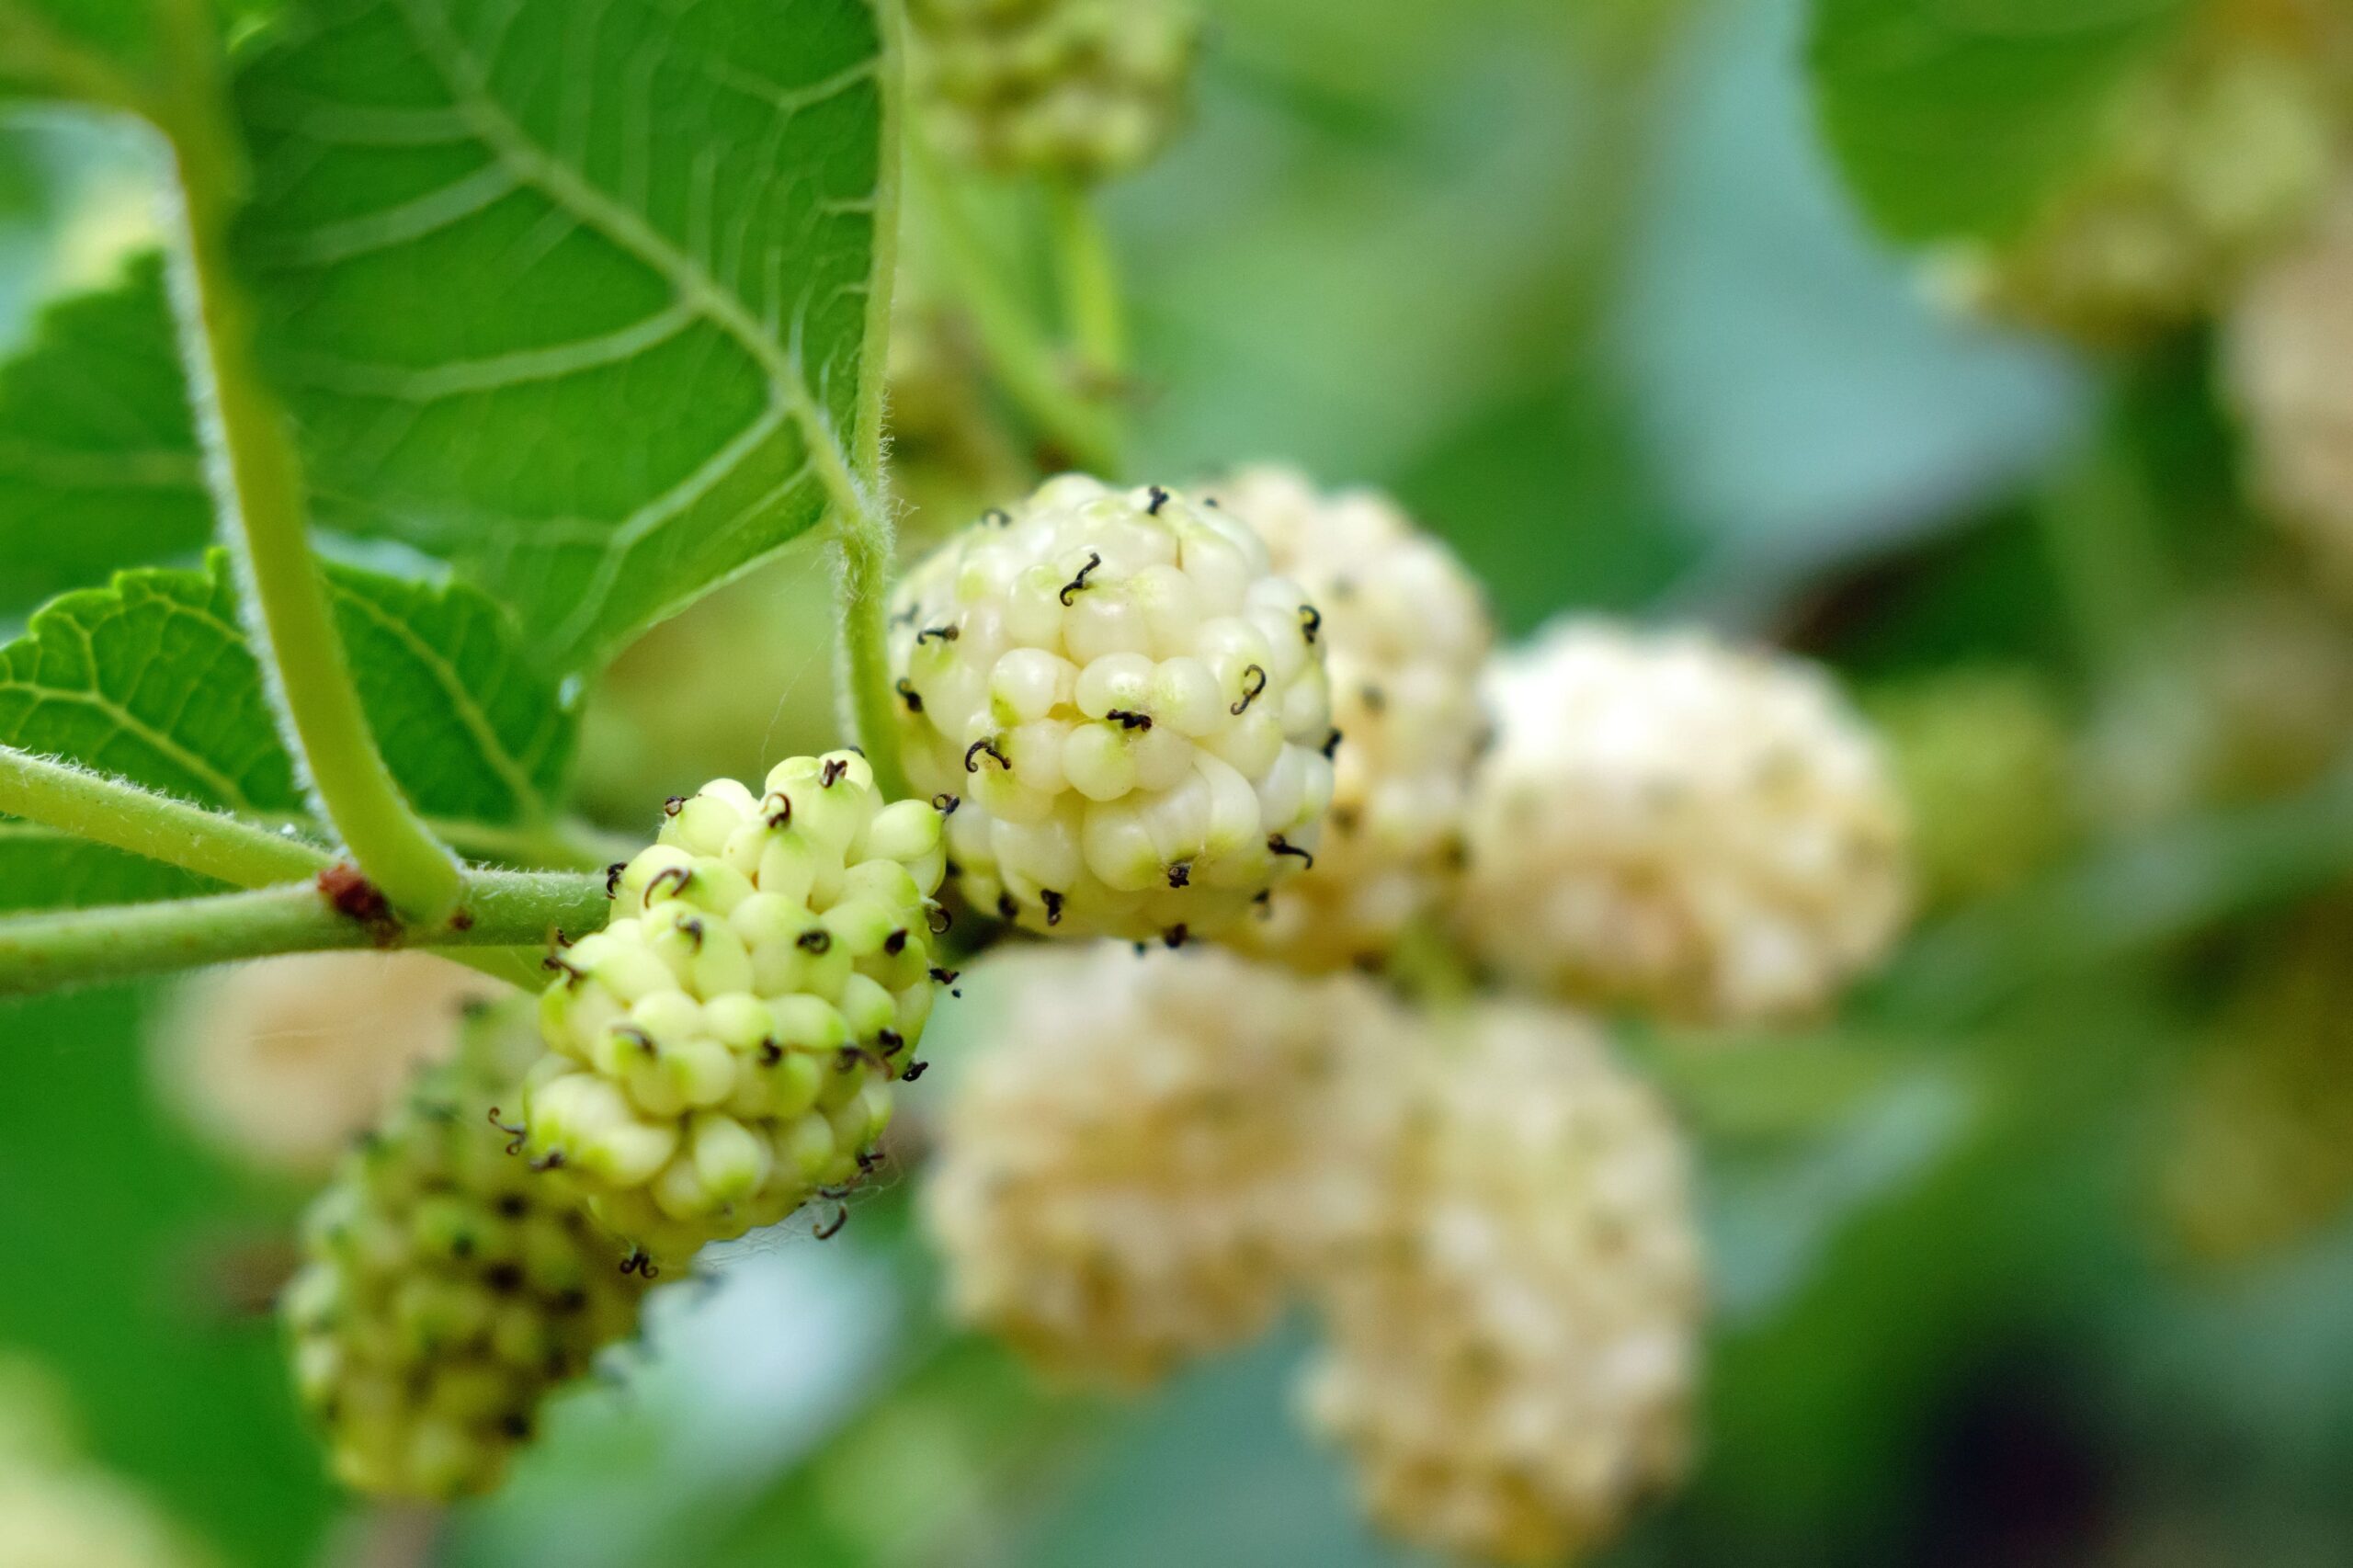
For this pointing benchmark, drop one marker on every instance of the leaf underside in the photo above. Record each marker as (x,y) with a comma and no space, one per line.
(557,290)
(1958,118)
(98,462)
(152,679)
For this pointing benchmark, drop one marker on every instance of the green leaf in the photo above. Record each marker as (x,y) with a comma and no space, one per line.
(147,1248)
(98,462)
(559,292)
(152,679)
(1956,117)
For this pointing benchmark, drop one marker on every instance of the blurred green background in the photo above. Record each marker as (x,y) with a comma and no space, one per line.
(2039,1255)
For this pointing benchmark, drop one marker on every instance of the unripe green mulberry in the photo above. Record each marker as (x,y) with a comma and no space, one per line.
(1128,705)
(1985,760)
(1671,823)
(1081,89)
(2202,168)
(2248,695)
(725,1047)
(1136,1174)
(447,1289)
(2260,1153)
(1405,633)
(1512,1354)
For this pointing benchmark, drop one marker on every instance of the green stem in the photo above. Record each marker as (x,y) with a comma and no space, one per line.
(110,811)
(2156,890)
(1092,312)
(257,490)
(1025,359)
(863,533)
(498,909)
(2099,530)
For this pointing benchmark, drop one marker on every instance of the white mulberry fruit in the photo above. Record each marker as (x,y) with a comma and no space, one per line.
(1134,1176)
(281,1062)
(1079,89)
(1125,705)
(1405,632)
(1668,823)
(2204,167)
(2287,339)
(1511,1358)
(726,1046)
(447,1289)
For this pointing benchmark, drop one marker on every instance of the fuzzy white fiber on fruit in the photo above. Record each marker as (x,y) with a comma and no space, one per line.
(1080,89)
(1126,705)
(725,1048)
(1511,1355)
(1136,1174)
(1672,823)
(280,1061)
(1404,631)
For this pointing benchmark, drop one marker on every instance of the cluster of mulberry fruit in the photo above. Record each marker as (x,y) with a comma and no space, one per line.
(1139,1173)
(1125,707)
(1081,89)
(724,1050)
(447,1289)
(1670,824)
(1404,631)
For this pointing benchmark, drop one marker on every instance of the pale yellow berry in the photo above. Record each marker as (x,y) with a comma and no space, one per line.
(723,1049)
(1668,823)
(1124,706)
(1405,633)
(1137,1171)
(1512,1350)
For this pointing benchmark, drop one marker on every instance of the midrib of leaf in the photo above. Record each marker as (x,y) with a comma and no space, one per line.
(698,291)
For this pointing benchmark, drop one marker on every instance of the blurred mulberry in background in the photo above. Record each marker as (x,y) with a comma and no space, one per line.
(1404,631)
(1138,1169)
(1514,1347)
(1669,822)
(282,1062)
(1081,89)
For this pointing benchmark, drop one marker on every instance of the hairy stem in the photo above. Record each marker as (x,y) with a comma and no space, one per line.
(862,528)
(497,910)
(257,490)
(110,811)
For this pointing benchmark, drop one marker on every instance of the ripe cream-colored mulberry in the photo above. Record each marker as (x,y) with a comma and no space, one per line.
(1511,1357)
(725,1048)
(1126,706)
(1081,89)
(281,1062)
(1133,1176)
(447,1289)
(2287,339)
(1405,632)
(1672,823)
